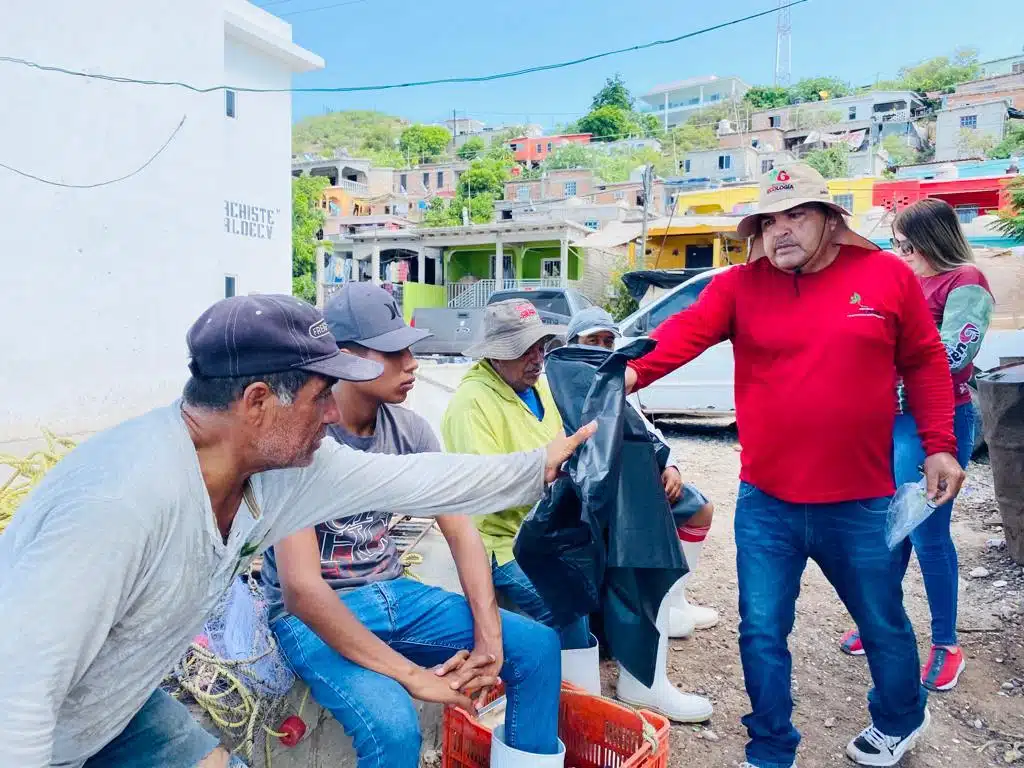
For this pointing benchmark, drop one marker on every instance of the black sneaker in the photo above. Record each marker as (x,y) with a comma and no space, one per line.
(872,747)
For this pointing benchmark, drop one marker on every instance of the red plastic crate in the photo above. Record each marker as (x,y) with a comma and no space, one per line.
(597,733)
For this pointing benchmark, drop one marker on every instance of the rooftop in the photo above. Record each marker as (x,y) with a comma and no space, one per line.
(691,82)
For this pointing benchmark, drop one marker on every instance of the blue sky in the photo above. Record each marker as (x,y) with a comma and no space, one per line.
(384,41)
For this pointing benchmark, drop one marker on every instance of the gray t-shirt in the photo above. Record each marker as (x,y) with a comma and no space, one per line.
(112,565)
(357,550)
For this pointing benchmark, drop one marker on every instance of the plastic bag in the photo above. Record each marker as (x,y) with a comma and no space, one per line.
(908,509)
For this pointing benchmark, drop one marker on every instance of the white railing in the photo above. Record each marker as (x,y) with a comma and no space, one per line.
(471,295)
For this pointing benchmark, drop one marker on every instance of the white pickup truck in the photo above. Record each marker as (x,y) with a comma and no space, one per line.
(706,384)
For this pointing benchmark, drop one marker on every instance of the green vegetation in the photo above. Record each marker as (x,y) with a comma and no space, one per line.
(941,73)
(808,89)
(361,132)
(971,144)
(307,221)
(900,153)
(613,94)
(424,143)
(1012,143)
(1011,218)
(473,148)
(832,163)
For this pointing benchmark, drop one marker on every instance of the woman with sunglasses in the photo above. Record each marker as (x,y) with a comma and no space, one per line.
(927,236)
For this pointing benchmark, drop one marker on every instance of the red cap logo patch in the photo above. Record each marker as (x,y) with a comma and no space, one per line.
(783,176)
(526,310)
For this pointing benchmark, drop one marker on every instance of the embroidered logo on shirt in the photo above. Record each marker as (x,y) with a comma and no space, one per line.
(862,310)
(855,299)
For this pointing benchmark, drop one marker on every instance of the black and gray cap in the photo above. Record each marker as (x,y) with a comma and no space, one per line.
(368,315)
(256,335)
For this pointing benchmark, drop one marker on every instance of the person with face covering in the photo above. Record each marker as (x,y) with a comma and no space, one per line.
(822,324)
(504,400)
(927,236)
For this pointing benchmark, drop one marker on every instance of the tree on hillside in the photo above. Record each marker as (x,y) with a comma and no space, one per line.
(688,137)
(483,177)
(617,166)
(814,117)
(818,89)
(1012,143)
(941,73)
(569,156)
(767,97)
(473,148)
(832,163)
(1011,218)
(307,222)
(971,144)
(900,153)
(613,94)
(423,143)
(609,124)
(448,213)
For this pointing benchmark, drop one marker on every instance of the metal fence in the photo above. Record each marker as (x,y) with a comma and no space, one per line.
(470,295)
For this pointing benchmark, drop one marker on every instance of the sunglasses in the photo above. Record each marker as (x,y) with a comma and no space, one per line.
(903,246)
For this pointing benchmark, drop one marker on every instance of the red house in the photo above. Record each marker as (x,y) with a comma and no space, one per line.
(970,197)
(533,150)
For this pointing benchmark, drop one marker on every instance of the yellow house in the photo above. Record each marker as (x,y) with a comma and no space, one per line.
(854,194)
(692,242)
(337,201)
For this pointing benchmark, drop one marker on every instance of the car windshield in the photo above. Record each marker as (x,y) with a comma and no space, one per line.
(545,301)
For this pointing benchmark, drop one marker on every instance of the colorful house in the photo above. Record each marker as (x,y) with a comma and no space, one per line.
(970,197)
(691,242)
(533,150)
(854,194)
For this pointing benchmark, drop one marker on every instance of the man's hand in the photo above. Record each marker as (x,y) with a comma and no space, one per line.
(561,448)
(944,475)
(430,685)
(673,483)
(475,672)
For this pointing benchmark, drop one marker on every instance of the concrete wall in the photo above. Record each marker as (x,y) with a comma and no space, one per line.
(1009,87)
(95,309)
(991,121)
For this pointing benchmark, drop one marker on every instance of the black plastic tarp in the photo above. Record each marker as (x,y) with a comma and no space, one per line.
(603,537)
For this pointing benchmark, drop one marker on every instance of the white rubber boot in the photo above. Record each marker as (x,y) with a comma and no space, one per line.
(680,621)
(503,756)
(684,612)
(582,667)
(663,696)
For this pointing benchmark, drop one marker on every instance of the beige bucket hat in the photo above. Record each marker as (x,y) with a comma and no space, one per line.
(511,327)
(788,186)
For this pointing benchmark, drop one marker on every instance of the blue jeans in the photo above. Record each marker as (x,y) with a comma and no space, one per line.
(427,625)
(513,584)
(774,539)
(162,733)
(931,540)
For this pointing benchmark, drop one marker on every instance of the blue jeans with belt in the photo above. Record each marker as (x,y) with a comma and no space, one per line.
(427,625)
(774,540)
(931,540)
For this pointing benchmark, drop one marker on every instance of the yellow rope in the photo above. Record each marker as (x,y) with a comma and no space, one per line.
(409,560)
(27,471)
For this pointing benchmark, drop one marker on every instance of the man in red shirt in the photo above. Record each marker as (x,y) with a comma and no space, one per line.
(822,323)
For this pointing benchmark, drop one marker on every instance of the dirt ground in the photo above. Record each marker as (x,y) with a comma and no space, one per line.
(976,724)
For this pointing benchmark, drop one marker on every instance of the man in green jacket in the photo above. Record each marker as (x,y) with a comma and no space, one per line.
(504,404)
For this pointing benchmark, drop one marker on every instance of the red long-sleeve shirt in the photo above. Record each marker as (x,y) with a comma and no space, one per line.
(817,359)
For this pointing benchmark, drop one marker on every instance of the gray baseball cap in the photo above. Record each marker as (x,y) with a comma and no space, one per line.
(511,327)
(589,321)
(368,315)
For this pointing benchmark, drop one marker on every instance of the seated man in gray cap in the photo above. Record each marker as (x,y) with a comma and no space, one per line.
(503,403)
(362,636)
(160,514)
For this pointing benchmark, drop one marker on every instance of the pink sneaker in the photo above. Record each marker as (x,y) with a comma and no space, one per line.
(851,644)
(943,669)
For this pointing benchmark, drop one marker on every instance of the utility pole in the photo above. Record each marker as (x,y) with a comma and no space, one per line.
(647,181)
(783,46)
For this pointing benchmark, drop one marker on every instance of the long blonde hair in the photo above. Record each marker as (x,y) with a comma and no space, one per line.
(932,227)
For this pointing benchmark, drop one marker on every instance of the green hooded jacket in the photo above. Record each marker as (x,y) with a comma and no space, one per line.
(486,416)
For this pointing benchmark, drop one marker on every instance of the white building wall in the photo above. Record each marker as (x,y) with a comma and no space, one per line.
(100,285)
(991,121)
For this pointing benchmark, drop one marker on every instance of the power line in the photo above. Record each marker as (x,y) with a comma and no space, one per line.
(320,8)
(394,86)
(137,171)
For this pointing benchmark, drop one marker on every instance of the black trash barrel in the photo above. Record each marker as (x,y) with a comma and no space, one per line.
(1001,392)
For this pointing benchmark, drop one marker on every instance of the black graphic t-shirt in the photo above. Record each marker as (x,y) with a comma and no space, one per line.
(357,550)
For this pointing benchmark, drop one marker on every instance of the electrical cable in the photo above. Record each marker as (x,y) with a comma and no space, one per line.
(137,171)
(289,14)
(394,86)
